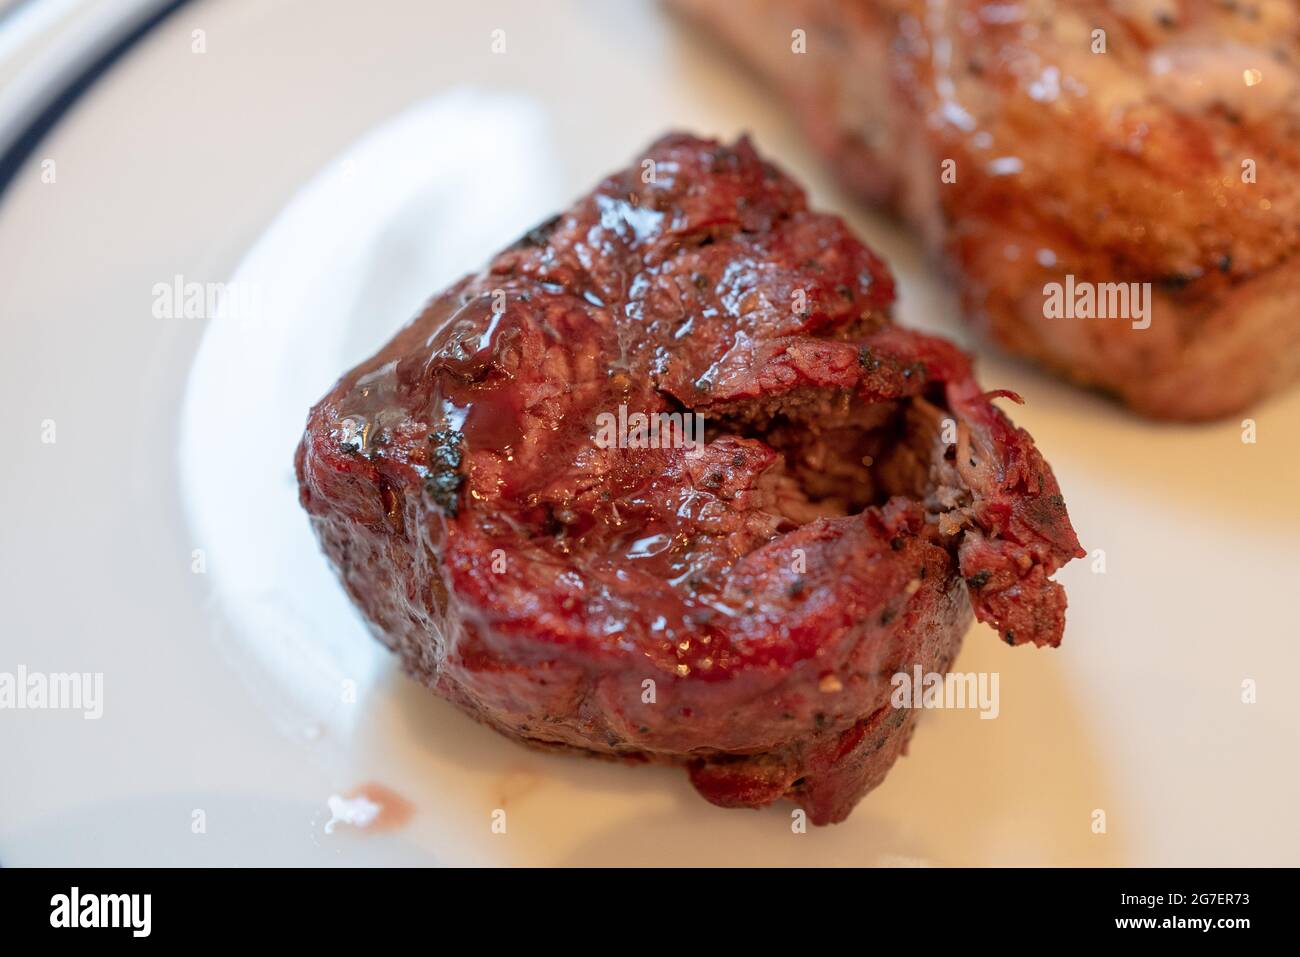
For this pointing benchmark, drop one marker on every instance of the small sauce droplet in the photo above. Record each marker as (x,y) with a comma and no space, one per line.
(370,807)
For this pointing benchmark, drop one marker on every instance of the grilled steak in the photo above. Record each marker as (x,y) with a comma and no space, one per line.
(1048,143)
(517,493)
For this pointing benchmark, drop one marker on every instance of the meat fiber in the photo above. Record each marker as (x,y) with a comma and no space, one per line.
(517,493)
(1094,145)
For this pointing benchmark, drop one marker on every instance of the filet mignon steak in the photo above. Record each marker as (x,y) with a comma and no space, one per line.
(735,600)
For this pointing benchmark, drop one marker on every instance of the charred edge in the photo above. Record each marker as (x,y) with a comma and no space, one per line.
(867,359)
(445,479)
(539,234)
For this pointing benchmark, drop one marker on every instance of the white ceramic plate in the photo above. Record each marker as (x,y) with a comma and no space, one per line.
(336,166)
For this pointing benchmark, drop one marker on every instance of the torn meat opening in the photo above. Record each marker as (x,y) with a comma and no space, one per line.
(840,454)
